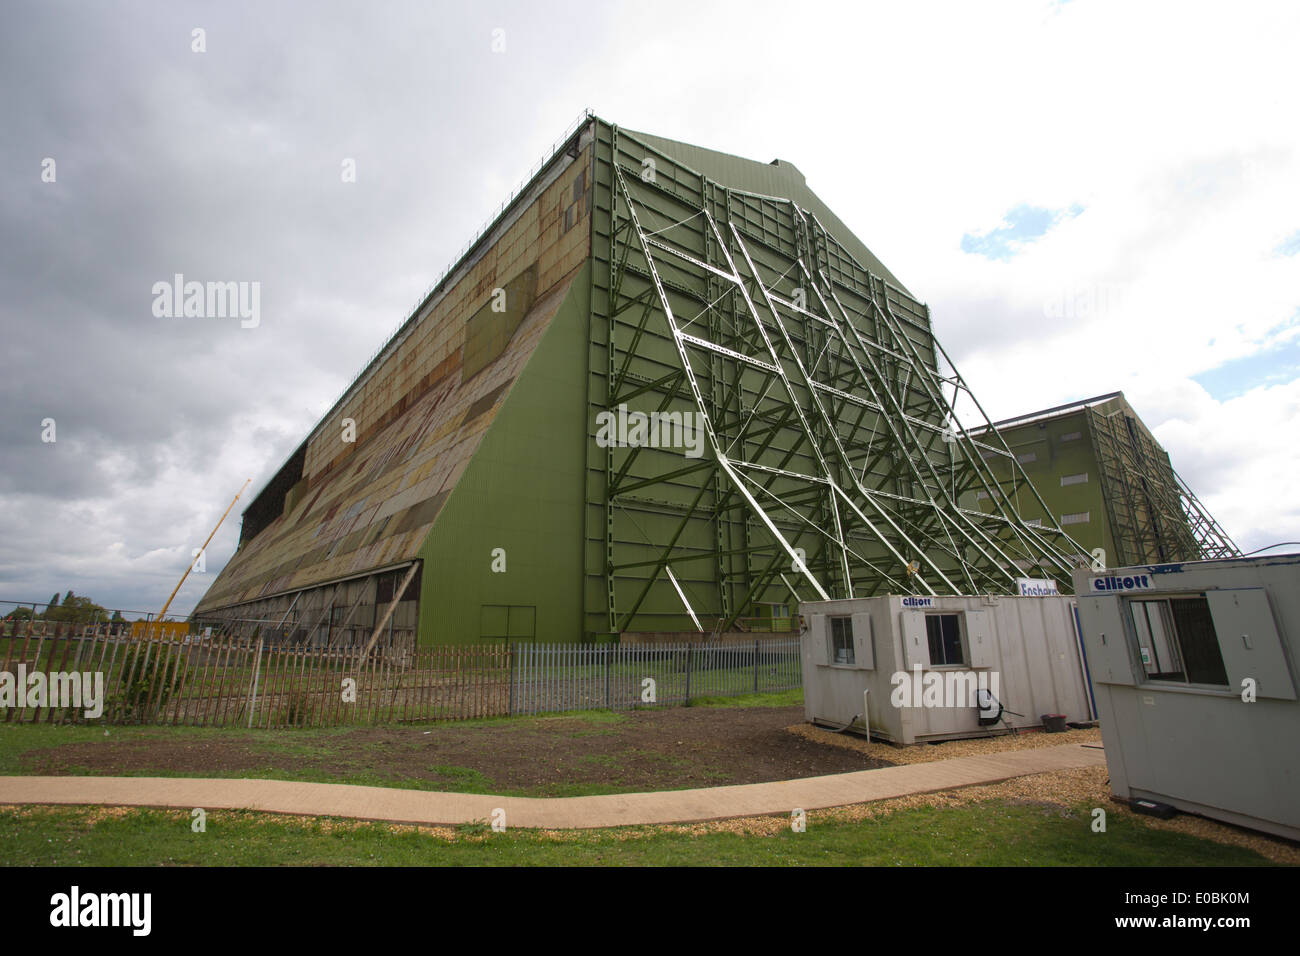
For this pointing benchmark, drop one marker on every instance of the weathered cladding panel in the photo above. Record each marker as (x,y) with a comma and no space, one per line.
(339,615)
(374,516)
(413,436)
(536,237)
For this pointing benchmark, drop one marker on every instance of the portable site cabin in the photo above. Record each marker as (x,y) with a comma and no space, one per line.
(917,664)
(1195,673)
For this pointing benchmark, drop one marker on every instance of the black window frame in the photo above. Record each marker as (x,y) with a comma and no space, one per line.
(1186,617)
(841,635)
(946,641)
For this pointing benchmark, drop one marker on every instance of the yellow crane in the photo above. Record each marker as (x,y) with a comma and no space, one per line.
(163,612)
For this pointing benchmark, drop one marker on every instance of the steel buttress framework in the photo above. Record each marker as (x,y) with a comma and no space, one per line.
(1154,514)
(836,427)
(820,442)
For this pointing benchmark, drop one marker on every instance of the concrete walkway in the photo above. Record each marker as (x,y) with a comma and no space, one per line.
(426,807)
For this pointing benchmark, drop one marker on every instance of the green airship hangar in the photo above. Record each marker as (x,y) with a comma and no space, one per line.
(668,392)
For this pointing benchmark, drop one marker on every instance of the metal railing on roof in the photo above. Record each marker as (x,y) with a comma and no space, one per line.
(1049,412)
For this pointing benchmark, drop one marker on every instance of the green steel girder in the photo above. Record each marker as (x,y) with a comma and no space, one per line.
(820,390)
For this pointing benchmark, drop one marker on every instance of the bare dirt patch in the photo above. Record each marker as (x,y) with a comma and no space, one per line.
(644,750)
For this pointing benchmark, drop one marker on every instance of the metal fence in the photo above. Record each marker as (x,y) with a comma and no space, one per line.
(231,682)
(547,678)
(45,615)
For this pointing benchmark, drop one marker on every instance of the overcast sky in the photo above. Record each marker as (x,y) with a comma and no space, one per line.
(1091,196)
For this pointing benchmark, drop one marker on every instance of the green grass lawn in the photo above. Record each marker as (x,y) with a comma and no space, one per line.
(784,698)
(989,833)
(983,834)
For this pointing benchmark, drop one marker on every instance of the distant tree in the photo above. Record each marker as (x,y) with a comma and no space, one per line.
(75,610)
(117,616)
(14,619)
(54,601)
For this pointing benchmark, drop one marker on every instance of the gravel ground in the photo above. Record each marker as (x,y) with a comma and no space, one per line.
(924,753)
(1066,789)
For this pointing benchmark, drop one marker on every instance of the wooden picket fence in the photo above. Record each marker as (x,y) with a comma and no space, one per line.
(226,682)
(223,681)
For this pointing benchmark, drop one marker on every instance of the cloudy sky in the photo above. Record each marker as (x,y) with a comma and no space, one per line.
(1091,196)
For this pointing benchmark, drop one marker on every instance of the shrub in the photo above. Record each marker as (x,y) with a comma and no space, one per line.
(298,711)
(151,676)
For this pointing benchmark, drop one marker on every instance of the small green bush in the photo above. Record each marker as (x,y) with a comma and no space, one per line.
(149,679)
(299,711)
